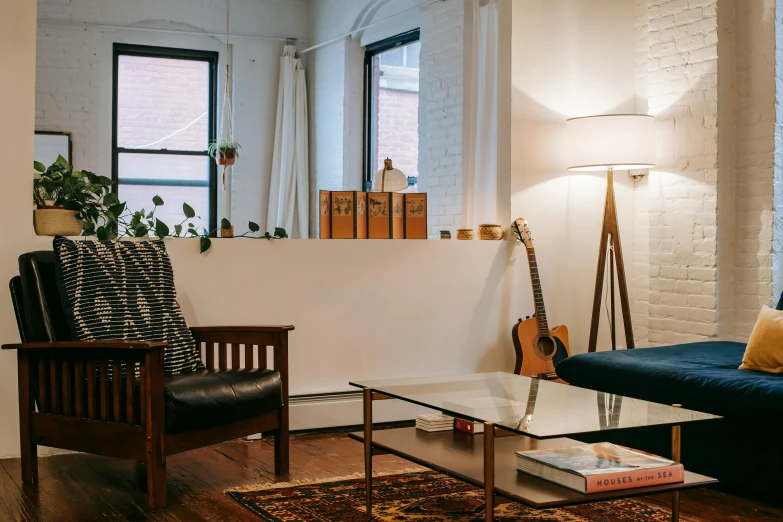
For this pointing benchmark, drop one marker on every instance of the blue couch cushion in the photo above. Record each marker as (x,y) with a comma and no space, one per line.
(700,376)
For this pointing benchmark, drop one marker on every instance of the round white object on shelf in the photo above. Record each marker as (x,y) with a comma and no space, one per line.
(389,179)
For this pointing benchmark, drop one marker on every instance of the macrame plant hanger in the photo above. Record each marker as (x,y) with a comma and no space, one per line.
(228,103)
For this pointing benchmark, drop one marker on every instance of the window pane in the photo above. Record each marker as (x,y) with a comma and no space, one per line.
(393,57)
(412,60)
(162,103)
(395,114)
(140,197)
(163,166)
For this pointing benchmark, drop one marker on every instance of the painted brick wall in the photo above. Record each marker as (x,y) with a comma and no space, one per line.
(714,242)
(639,283)
(682,85)
(777,243)
(398,129)
(755,51)
(440,113)
(67,88)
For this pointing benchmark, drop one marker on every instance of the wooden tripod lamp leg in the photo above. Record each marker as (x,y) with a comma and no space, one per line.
(610,229)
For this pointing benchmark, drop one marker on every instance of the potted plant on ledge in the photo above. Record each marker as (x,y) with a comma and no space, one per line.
(67,200)
(225,152)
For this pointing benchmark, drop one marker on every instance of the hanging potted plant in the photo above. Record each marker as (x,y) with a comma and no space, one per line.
(225,152)
(67,200)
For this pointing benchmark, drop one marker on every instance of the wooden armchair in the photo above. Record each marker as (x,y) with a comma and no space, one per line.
(112,398)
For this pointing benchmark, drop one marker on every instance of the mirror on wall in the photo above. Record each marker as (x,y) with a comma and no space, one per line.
(49,145)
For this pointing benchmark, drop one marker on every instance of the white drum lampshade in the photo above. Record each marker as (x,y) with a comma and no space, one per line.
(389,179)
(616,141)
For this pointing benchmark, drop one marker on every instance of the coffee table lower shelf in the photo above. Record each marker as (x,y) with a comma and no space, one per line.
(461,455)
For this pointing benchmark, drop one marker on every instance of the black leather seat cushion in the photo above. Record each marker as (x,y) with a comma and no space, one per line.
(207,398)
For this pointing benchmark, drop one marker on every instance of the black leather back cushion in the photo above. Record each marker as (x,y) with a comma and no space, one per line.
(42,318)
(15,286)
(780,303)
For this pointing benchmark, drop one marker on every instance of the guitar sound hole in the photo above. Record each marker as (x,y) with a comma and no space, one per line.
(546,346)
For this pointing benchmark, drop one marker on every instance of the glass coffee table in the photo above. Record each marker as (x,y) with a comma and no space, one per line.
(518,413)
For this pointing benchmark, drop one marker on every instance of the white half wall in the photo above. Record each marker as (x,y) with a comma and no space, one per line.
(362,309)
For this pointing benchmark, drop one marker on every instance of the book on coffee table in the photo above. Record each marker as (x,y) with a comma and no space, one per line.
(592,468)
(435,422)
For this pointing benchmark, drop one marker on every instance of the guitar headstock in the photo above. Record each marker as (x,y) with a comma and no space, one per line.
(522,231)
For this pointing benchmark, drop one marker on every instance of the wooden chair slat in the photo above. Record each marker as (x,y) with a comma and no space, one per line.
(262,362)
(210,356)
(235,348)
(223,356)
(116,378)
(54,402)
(249,356)
(91,390)
(67,383)
(130,399)
(43,381)
(78,387)
(104,389)
(142,393)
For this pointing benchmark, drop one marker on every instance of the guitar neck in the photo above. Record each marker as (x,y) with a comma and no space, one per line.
(538,295)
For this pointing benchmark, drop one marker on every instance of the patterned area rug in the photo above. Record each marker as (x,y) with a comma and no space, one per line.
(424,496)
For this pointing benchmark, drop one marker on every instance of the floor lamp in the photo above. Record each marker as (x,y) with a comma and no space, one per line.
(609,143)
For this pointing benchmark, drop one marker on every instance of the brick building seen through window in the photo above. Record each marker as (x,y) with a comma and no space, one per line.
(392,88)
(164,114)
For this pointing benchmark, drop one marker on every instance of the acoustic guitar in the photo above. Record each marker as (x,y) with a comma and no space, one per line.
(538,347)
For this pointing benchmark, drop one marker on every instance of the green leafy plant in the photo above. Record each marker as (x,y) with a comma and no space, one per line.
(227,149)
(142,223)
(104,216)
(279,233)
(60,186)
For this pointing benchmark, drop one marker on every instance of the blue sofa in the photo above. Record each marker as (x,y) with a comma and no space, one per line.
(744,450)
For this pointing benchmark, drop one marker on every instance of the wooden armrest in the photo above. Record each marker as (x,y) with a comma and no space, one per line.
(89,345)
(268,329)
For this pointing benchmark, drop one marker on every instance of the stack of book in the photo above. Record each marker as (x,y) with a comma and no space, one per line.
(372,215)
(435,422)
(592,468)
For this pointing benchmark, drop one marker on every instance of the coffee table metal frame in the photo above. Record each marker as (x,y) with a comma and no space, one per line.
(491,495)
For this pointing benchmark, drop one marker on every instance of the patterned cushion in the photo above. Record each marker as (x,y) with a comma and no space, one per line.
(124,290)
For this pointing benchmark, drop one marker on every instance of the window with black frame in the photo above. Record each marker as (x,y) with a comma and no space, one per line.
(164,117)
(391,93)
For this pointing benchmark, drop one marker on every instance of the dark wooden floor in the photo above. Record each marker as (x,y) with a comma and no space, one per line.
(79,487)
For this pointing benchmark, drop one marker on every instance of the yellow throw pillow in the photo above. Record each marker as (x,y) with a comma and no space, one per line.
(765,346)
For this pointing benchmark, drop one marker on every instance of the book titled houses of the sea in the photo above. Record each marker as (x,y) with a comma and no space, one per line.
(593,468)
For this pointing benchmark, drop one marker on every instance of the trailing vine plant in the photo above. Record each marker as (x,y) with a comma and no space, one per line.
(104,216)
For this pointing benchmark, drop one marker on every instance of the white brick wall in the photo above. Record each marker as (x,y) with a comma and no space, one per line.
(755,155)
(440,113)
(777,243)
(714,242)
(639,284)
(683,94)
(67,88)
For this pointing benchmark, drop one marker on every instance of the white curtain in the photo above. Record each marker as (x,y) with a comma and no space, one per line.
(289,191)
(481,184)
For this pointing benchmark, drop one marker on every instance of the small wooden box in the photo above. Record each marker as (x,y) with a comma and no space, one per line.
(415,216)
(385,215)
(325,214)
(349,215)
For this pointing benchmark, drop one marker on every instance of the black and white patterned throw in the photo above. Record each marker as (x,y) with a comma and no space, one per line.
(124,290)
